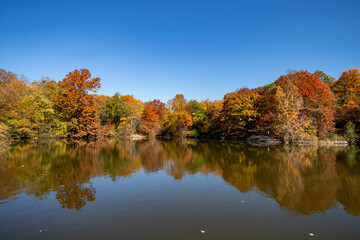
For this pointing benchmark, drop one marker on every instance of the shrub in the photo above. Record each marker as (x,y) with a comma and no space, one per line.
(350,132)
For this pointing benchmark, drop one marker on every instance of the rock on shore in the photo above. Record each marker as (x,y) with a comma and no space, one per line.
(263,140)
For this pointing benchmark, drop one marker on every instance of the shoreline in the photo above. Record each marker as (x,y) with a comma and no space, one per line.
(260,140)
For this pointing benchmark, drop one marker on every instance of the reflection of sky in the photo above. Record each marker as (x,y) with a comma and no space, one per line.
(156,206)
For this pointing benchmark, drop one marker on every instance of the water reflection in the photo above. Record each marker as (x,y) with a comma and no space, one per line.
(303,180)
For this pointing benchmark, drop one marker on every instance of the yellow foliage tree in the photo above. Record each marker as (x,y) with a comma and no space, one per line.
(178,120)
(239,110)
(130,124)
(288,105)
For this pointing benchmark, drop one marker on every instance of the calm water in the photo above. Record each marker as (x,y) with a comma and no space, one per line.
(114,189)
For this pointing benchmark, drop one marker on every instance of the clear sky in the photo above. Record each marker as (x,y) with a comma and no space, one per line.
(156,49)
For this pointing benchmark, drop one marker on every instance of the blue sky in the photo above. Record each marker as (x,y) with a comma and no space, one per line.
(156,49)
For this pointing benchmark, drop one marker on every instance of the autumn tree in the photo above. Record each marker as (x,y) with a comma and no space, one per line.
(178,120)
(288,104)
(12,90)
(317,97)
(347,88)
(100,102)
(347,92)
(37,108)
(152,117)
(239,110)
(132,122)
(4,131)
(177,104)
(76,105)
(213,109)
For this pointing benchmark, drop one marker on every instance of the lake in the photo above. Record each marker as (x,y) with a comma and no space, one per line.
(178,189)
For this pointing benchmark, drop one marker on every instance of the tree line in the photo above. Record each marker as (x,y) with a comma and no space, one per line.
(298,106)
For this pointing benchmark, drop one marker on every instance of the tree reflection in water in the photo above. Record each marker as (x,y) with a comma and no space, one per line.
(303,180)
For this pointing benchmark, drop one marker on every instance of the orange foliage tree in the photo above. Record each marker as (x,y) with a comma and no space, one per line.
(76,105)
(347,88)
(12,91)
(100,101)
(317,97)
(214,109)
(153,116)
(347,92)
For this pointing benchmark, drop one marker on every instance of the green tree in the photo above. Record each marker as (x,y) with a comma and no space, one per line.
(324,77)
(200,115)
(350,132)
(194,106)
(115,110)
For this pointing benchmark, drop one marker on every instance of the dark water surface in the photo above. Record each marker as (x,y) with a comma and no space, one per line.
(113,189)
